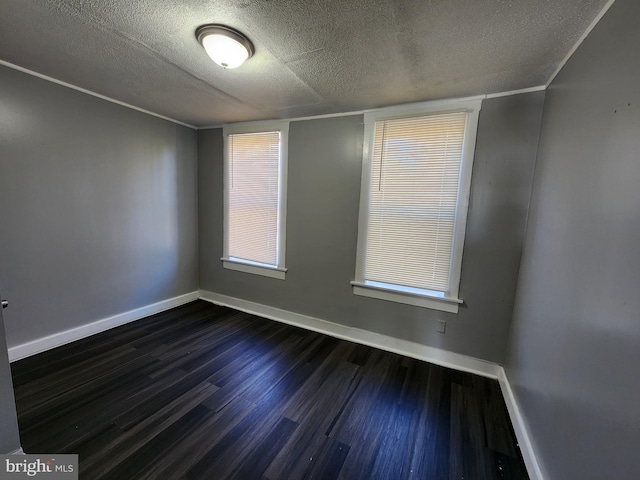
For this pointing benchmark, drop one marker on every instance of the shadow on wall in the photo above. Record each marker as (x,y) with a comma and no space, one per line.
(153,225)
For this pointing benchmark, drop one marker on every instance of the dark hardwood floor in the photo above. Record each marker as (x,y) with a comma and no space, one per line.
(206,392)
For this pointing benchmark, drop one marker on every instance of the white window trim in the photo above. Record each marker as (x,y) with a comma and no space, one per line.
(449,301)
(274,271)
(241,265)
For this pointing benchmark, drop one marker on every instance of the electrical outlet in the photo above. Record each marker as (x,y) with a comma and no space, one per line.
(442,325)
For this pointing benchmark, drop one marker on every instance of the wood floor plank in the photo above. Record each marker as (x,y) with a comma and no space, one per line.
(259,458)
(211,429)
(153,449)
(315,407)
(202,391)
(139,437)
(68,400)
(223,458)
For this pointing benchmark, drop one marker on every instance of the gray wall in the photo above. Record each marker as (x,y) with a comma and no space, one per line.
(9,437)
(322,217)
(574,355)
(99,208)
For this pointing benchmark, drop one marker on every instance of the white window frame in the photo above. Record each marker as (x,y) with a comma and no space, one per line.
(443,301)
(274,271)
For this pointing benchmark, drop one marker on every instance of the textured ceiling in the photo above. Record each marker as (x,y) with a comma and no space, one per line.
(312,57)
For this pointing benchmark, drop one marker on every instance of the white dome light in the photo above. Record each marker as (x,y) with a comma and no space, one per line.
(227,47)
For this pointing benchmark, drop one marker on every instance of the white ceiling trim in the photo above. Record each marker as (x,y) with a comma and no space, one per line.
(93,94)
(580,40)
(445,101)
(292,119)
(539,88)
(296,119)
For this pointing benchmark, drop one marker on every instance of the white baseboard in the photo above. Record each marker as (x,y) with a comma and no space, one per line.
(62,338)
(383,342)
(520,428)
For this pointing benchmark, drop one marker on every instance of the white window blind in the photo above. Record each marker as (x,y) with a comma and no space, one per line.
(416,177)
(253,197)
(413,195)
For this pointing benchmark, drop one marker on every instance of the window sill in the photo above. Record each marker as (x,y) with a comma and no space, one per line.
(254,268)
(444,304)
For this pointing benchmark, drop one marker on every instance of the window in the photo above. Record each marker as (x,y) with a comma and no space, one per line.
(255,179)
(413,204)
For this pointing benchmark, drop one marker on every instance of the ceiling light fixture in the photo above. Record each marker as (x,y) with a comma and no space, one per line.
(226,46)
